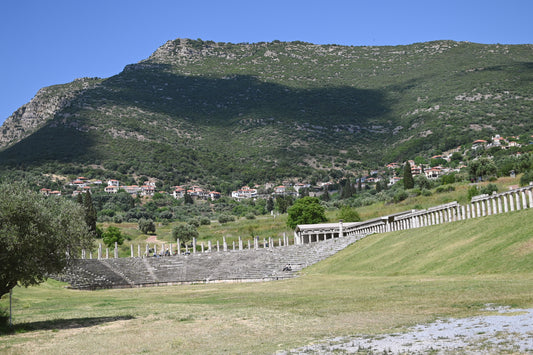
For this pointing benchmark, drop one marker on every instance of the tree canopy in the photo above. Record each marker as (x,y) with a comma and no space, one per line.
(37,235)
(306,210)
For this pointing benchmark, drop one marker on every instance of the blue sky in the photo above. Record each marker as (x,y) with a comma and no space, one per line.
(55,41)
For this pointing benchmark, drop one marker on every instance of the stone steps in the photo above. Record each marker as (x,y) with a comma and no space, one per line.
(260,264)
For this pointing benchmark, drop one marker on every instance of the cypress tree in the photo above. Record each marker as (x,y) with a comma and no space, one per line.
(90,212)
(408,181)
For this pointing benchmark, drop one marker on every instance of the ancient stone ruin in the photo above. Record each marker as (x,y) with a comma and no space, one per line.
(265,261)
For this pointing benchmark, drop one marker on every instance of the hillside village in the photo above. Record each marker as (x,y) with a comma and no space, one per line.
(391,173)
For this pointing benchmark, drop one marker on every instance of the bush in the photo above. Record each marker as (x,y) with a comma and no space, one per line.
(250,216)
(400,196)
(348,214)
(489,189)
(146,226)
(225,218)
(185,232)
(205,221)
(526,178)
(446,188)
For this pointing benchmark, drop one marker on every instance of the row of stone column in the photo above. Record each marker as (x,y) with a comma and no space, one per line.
(170,250)
(499,203)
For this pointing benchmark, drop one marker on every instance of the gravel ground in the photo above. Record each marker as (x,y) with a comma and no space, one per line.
(509,331)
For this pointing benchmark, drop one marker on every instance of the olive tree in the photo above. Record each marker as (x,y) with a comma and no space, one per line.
(38,235)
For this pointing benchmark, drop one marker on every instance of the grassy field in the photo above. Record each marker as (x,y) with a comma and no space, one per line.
(380,284)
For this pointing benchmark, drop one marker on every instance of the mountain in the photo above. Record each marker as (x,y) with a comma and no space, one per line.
(222,112)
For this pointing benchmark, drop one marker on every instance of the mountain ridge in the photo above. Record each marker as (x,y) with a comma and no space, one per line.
(250,112)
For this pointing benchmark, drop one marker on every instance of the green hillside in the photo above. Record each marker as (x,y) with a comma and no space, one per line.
(484,246)
(204,111)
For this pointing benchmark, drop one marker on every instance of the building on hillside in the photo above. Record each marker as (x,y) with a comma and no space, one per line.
(45,191)
(244,192)
(179,192)
(113,182)
(111,189)
(434,172)
(147,190)
(132,189)
(480,143)
(393,180)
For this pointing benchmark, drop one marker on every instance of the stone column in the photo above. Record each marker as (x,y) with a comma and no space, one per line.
(224,244)
(249,246)
(202,245)
(256,243)
(511,202)
(107,253)
(530,195)
(233,245)
(139,250)
(209,249)
(505,206)
(90,255)
(517,195)
(178,246)
(115,251)
(131,249)
(524,201)
(483,209)
(240,243)
(194,245)
(218,246)
(147,247)
(494,206)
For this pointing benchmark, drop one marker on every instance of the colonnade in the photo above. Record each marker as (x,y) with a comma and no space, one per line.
(480,206)
(161,250)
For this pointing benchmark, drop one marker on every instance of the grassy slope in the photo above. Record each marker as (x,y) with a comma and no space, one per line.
(382,283)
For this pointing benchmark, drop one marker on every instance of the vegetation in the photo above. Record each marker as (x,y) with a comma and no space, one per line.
(284,110)
(36,235)
(381,284)
(112,235)
(306,210)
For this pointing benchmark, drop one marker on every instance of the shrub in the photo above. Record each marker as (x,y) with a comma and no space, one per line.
(400,196)
(225,218)
(446,188)
(146,226)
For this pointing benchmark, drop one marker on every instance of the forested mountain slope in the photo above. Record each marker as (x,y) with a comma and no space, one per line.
(204,111)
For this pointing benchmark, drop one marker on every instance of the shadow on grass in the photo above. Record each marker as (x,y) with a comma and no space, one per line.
(57,324)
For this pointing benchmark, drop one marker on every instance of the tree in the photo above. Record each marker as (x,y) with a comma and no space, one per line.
(480,168)
(90,212)
(408,181)
(112,235)
(270,204)
(38,235)
(185,232)
(146,226)
(306,210)
(188,198)
(348,214)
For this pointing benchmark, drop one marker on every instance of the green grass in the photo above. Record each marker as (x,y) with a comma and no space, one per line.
(380,284)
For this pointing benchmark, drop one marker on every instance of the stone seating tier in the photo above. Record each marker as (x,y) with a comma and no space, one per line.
(231,266)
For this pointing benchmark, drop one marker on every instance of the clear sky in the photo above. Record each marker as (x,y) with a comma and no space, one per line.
(51,42)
